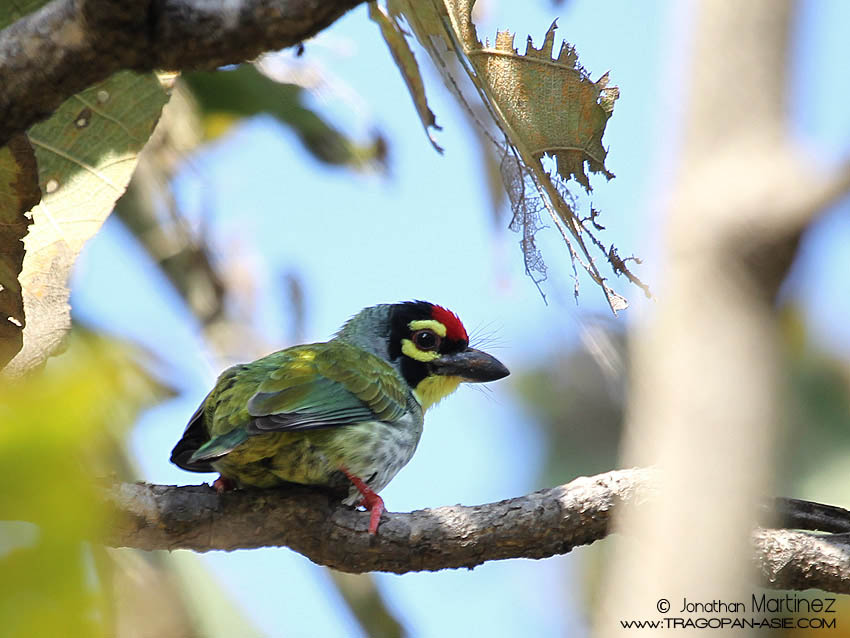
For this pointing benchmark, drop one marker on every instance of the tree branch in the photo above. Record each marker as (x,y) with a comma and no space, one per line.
(801,560)
(68,45)
(538,525)
(313,523)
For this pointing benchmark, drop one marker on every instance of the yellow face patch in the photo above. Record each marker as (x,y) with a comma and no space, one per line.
(433,389)
(428,324)
(413,352)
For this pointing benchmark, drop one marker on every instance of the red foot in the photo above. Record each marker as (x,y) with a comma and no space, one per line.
(371,501)
(224,484)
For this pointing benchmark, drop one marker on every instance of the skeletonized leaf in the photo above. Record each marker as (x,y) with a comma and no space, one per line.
(542,107)
(86,153)
(18,193)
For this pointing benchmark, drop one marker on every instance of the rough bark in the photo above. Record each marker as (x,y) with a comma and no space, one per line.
(544,523)
(538,525)
(68,45)
(799,560)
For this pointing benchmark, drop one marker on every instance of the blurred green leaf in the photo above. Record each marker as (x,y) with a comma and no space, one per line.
(16,9)
(577,395)
(57,438)
(815,457)
(366,602)
(227,95)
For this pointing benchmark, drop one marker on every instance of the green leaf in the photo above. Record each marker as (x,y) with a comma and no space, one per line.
(86,153)
(57,439)
(245,91)
(13,10)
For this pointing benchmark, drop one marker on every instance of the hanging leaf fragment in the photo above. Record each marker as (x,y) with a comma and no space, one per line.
(19,192)
(394,36)
(550,106)
(86,153)
(548,118)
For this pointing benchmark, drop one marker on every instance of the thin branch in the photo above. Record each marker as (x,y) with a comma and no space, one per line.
(791,513)
(801,560)
(68,45)
(538,525)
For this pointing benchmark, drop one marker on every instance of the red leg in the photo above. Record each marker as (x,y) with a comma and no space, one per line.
(371,501)
(223,484)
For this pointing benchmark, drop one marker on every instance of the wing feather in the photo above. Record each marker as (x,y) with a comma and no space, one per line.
(326,385)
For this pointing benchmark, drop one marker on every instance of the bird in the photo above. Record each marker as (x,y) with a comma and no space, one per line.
(345,414)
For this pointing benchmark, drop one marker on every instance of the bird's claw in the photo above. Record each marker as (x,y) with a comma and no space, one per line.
(371,501)
(375,505)
(223,484)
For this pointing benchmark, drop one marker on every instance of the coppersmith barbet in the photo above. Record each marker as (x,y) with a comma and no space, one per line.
(345,414)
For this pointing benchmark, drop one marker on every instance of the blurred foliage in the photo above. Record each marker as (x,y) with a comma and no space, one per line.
(59,436)
(815,455)
(577,396)
(225,96)
(366,602)
(150,212)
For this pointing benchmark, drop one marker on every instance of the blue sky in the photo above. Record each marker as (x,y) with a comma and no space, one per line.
(426,232)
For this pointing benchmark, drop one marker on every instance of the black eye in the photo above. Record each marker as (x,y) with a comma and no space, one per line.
(426,339)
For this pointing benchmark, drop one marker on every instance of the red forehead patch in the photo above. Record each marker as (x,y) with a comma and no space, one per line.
(454,328)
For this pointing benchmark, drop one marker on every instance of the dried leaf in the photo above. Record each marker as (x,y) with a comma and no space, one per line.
(18,193)
(551,106)
(543,107)
(86,153)
(394,36)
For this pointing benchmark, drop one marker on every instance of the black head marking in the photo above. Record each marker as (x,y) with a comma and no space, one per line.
(401,315)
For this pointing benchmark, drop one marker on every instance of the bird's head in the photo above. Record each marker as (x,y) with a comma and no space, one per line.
(426,344)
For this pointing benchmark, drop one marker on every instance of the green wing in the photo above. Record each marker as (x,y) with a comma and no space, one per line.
(301,388)
(327,385)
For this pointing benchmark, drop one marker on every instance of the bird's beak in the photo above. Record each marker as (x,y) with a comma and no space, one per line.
(471,365)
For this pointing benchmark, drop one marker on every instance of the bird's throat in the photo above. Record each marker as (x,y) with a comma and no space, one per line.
(434,389)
